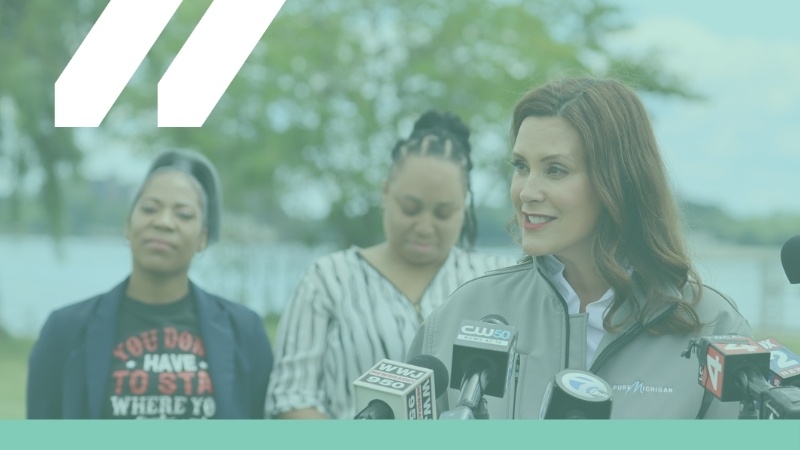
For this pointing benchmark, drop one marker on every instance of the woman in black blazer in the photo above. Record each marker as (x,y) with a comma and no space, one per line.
(156,345)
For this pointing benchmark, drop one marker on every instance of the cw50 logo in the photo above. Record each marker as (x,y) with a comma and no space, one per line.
(486,332)
(194,82)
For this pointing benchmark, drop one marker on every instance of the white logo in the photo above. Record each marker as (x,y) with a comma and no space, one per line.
(714,370)
(637,387)
(194,82)
(584,385)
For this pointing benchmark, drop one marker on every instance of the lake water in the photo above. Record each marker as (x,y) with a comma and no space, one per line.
(34,280)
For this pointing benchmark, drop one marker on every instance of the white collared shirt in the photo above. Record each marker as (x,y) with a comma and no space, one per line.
(554,269)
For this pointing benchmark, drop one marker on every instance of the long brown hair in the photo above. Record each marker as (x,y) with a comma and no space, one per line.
(639,226)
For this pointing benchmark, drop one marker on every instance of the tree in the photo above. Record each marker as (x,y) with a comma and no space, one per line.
(302,136)
(37,39)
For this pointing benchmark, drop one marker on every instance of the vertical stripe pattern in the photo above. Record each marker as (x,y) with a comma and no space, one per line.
(343,318)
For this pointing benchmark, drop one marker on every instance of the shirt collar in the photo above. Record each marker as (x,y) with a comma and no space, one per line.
(554,270)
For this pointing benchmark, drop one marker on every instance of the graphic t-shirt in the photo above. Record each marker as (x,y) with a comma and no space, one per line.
(159,368)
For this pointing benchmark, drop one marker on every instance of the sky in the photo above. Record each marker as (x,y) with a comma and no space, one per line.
(740,148)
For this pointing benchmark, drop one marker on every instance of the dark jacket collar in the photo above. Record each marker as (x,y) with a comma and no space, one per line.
(627,310)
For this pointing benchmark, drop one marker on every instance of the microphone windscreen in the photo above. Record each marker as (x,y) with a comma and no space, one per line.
(784,364)
(407,390)
(790,259)
(484,348)
(441,377)
(723,358)
(576,394)
(376,409)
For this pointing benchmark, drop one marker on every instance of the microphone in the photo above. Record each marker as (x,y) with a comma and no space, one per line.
(395,390)
(784,364)
(723,362)
(781,403)
(576,394)
(735,368)
(440,378)
(482,364)
(790,259)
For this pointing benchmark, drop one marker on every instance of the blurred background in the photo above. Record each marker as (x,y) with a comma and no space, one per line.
(303,134)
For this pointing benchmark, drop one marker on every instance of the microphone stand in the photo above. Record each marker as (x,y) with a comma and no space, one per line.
(747,409)
(464,412)
(481,411)
(471,395)
(471,402)
(458,413)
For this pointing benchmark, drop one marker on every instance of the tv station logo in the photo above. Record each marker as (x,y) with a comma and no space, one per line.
(478,332)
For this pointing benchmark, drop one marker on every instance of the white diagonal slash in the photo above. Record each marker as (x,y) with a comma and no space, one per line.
(107,59)
(210,58)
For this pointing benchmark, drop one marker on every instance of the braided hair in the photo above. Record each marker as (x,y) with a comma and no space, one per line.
(444,135)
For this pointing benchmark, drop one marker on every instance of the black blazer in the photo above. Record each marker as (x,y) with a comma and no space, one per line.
(69,367)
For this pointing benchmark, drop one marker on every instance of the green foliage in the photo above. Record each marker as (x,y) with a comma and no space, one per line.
(271,325)
(37,39)
(303,134)
(770,230)
(14,369)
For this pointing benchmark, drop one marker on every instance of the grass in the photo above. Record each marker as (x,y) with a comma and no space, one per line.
(271,324)
(14,365)
(13,372)
(789,339)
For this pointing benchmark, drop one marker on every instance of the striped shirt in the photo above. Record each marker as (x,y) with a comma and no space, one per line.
(344,317)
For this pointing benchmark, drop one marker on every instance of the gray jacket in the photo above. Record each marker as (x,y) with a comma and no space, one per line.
(648,376)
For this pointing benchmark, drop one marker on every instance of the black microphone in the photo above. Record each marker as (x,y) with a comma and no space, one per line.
(440,378)
(735,368)
(395,390)
(482,364)
(724,360)
(780,403)
(576,394)
(784,364)
(790,259)
(376,410)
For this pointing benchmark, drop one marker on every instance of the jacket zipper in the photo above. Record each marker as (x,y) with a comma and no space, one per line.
(566,345)
(516,385)
(620,342)
(566,315)
(614,346)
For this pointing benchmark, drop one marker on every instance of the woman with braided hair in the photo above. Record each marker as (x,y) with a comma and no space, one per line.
(360,305)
